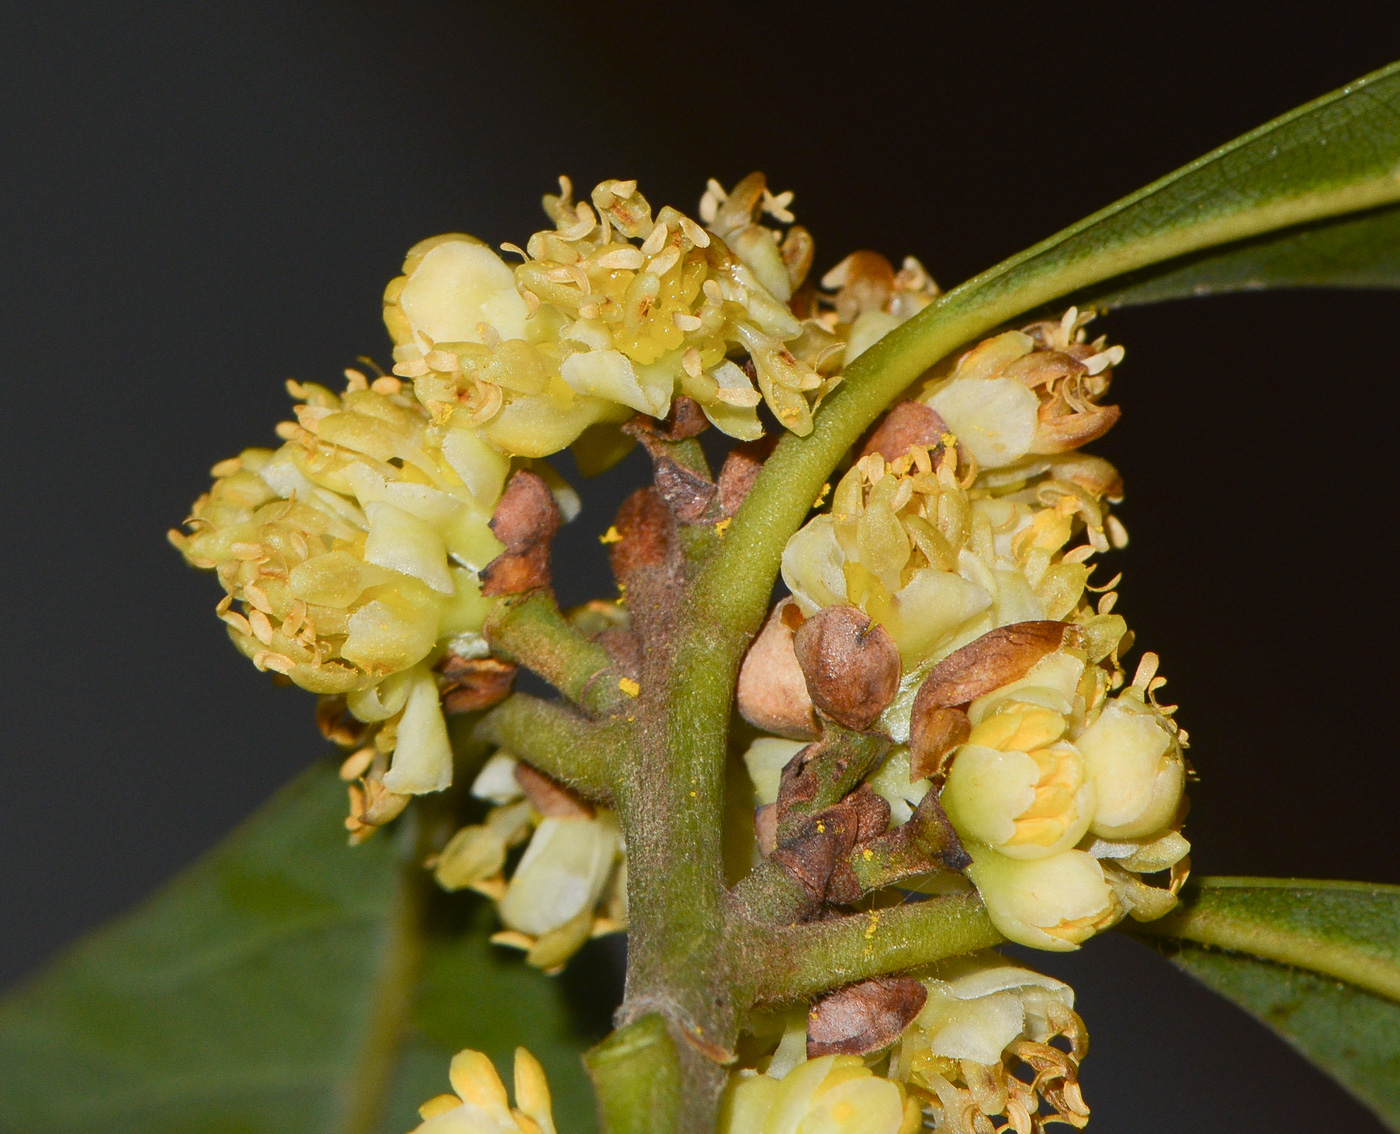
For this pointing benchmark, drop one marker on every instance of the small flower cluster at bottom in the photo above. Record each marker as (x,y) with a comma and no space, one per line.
(953,1068)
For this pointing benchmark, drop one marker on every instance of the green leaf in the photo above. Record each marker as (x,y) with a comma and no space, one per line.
(1343,1014)
(275,988)
(1352,1035)
(1361,251)
(1338,155)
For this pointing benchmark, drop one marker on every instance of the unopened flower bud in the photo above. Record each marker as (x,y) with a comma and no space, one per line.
(1135,763)
(1047,903)
(1016,785)
(851,665)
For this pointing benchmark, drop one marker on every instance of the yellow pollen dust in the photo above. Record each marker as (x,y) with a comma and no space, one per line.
(628,686)
(612,535)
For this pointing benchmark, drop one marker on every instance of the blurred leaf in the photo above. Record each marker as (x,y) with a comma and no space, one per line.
(270,990)
(1352,1035)
(1361,251)
(1344,1014)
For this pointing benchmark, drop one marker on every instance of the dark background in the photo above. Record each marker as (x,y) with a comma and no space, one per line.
(203,199)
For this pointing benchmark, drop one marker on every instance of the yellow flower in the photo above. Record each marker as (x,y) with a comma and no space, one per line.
(1019,786)
(835,1094)
(480,1105)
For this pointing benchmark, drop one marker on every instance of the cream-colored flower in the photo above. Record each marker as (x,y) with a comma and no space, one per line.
(1018,785)
(1053,903)
(350,557)
(835,1094)
(480,1104)
(985,1017)
(569,885)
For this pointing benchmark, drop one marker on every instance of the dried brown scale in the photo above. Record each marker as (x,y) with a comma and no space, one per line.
(472,684)
(825,772)
(865,1017)
(680,472)
(740,470)
(647,533)
(851,665)
(933,734)
(772,692)
(814,855)
(997,657)
(687,493)
(549,797)
(924,844)
(908,425)
(525,520)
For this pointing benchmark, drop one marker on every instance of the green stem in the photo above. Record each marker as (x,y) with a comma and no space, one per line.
(801,961)
(558,741)
(531,631)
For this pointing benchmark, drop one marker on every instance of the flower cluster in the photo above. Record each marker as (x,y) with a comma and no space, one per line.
(614,311)
(940,620)
(568,886)
(989,1046)
(957,534)
(351,556)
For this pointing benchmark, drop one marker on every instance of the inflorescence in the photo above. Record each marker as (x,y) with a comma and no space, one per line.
(939,599)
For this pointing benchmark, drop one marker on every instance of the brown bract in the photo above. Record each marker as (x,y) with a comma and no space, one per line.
(475,683)
(933,733)
(686,491)
(817,855)
(863,1017)
(772,692)
(648,534)
(740,470)
(851,665)
(908,425)
(937,722)
(550,798)
(989,662)
(525,521)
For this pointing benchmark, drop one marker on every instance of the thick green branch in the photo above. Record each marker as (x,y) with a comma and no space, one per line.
(559,742)
(800,961)
(531,631)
